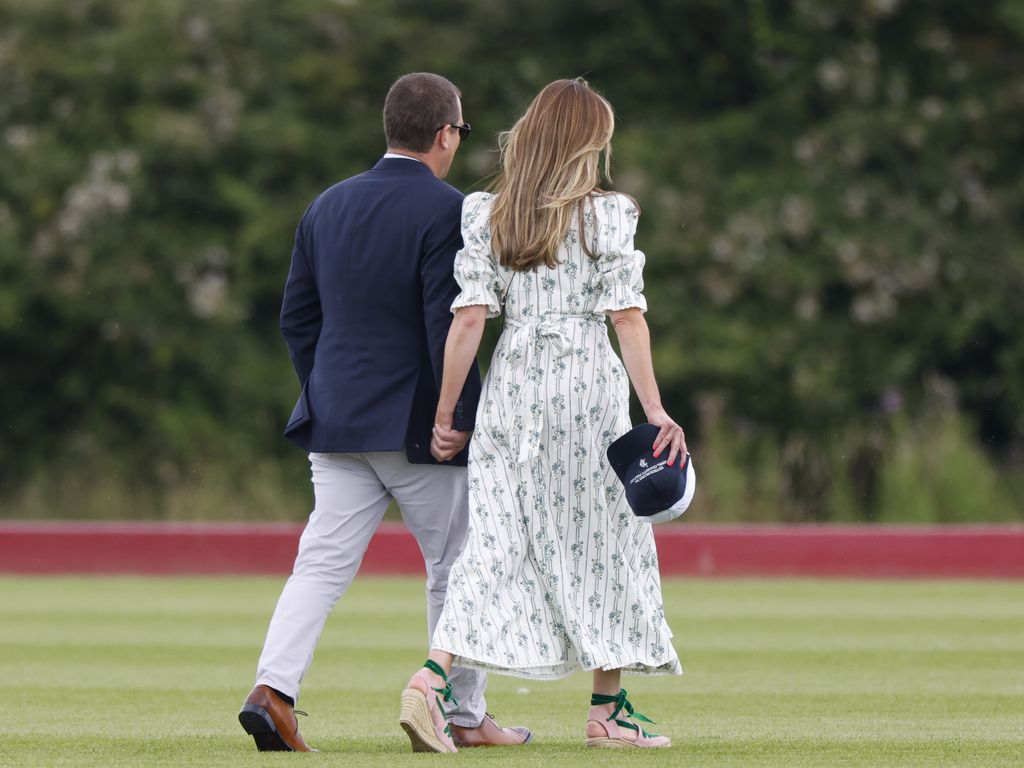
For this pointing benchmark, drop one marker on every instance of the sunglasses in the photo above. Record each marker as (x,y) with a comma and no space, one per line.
(463,129)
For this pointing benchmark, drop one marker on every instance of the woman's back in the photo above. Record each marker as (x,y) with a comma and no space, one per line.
(558,574)
(555,387)
(578,285)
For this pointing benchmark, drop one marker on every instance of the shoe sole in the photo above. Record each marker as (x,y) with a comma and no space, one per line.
(462,745)
(415,719)
(607,742)
(257,723)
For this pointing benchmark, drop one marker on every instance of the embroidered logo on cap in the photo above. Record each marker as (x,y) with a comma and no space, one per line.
(648,471)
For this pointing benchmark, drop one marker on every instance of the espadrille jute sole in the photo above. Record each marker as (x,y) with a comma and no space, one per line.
(419,726)
(608,742)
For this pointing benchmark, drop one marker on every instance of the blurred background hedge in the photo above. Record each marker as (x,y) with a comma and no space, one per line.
(833,212)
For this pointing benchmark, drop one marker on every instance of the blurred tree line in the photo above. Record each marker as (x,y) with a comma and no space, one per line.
(832,198)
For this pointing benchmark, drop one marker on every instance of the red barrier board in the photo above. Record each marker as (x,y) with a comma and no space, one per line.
(972,552)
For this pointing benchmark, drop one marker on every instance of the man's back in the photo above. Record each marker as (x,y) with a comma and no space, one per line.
(366,314)
(366,310)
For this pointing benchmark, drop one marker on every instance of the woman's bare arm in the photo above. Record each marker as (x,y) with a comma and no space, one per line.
(460,350)
(635,345)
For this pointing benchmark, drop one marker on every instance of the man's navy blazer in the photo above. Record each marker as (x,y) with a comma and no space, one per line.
(366,313)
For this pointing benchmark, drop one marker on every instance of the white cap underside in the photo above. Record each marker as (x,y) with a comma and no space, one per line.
(680,506)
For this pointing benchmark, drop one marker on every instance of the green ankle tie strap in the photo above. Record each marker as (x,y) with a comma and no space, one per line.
(445,693)
(621,703)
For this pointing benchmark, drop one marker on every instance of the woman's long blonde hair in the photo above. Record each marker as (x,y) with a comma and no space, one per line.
(550,168)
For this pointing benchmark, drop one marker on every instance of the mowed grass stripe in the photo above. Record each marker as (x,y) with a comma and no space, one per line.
(140,672)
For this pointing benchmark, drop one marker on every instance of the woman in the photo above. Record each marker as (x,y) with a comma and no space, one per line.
(557,574)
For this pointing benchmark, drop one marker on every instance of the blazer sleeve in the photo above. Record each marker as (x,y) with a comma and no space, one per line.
(437,273)
(301,315)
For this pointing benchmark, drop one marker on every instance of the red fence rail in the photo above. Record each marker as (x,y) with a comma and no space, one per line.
(973,552)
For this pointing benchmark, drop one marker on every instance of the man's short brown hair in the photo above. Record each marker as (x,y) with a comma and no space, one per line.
(416,106)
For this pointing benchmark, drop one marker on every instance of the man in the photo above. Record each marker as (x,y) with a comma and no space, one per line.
(365,316)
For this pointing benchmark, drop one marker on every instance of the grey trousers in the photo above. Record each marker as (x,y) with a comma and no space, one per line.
(352,491)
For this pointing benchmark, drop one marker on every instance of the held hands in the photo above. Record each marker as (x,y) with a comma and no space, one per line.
(446,442)
(670,436)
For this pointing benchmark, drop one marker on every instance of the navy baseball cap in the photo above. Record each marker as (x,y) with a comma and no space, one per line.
(655,491)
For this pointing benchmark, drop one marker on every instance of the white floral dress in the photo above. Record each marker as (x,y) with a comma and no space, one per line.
(557,574)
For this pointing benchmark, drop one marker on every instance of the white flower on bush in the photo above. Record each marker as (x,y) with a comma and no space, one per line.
(807,148)
(102,192)
(206,283)
(206,295)
(856,201)
(874,306)
(797,216)
(20,137)
(832,75)
(932,108)
(882,7)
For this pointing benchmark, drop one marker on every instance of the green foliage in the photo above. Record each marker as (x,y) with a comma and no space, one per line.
(831,195)
(936,475)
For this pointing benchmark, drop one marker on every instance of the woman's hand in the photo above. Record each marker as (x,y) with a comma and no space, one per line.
(445,442)
(670,435)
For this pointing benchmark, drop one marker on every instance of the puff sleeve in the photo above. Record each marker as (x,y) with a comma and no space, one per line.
(475,270)
(621,265)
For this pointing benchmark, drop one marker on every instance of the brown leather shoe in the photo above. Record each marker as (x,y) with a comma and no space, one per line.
(490,734)
(271,722)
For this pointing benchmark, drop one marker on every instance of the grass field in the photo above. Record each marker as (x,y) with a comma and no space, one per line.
(147,672)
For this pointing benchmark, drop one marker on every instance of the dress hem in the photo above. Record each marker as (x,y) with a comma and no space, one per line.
(558,672)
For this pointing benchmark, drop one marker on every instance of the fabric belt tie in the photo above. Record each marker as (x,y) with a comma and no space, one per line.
(527,341)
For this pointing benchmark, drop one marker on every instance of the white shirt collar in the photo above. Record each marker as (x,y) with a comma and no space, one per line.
(389,155)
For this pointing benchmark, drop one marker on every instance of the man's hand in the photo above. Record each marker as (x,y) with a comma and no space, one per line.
(446,442)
